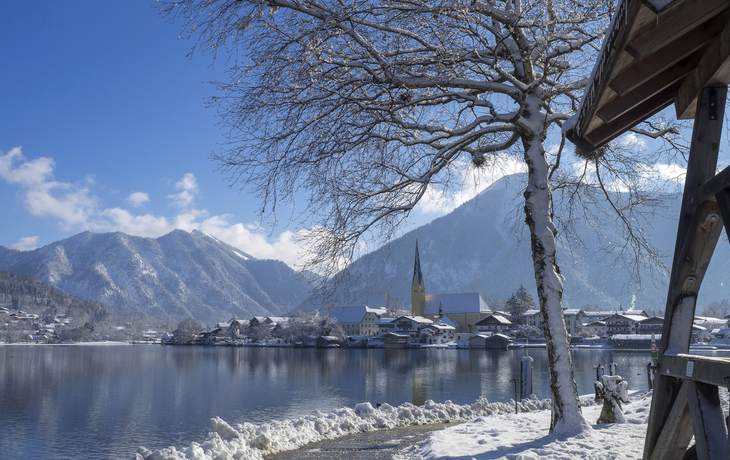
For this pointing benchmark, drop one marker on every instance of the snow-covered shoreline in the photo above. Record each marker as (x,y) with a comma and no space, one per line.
(248,441)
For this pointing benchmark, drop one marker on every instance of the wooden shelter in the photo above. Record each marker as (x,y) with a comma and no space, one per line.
(655,54)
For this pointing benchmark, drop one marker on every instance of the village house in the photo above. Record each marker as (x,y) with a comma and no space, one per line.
(622,324)
(358,320)
(533,318)
(597,328)
(440,333)
(574,320)
(651,325)
(493,323)
(410,325)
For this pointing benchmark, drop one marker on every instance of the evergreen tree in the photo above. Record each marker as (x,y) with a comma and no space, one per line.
(519,303)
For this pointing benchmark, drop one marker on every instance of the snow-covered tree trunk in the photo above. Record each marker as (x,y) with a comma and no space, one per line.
(566,414)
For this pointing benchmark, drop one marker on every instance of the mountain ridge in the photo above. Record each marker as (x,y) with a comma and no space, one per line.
(177,275)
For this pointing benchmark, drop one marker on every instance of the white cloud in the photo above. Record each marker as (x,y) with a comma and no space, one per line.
(188,187)
(26,243)
(78,209)
(440,201)
(666,173)
(28,173)
(137,199)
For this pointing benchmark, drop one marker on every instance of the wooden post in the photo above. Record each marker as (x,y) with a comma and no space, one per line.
(696,239)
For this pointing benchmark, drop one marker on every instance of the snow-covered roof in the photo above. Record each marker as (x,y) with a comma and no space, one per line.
(416,319)
(494,318)
(468,302)
(445,320)
(531,313)
(278,319)
(384,321)
(441,327)
(633,318)
(572,312)
(354,313)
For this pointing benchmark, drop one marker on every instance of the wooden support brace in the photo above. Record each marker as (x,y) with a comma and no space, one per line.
(723,203)
(708,190)
(676,432)
(708,421)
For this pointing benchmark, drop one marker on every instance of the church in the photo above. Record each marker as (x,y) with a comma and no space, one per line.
(459,310)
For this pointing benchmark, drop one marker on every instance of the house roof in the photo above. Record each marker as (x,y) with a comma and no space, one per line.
(531,313)
(468,302)
(415,319)
(385,321)
(493,319)
(633,318)
(572,312)
(654,54)
(445,320)
(354,313)
(441,327)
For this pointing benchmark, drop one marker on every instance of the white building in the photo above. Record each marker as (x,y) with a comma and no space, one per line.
(358,320)
(574,320)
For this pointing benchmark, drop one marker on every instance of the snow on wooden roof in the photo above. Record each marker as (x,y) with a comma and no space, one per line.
(469,302)
(655,53)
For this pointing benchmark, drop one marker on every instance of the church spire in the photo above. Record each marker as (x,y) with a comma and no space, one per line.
(417,274)
(418,288)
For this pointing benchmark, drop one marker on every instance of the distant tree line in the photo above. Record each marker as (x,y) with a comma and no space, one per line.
(88,320)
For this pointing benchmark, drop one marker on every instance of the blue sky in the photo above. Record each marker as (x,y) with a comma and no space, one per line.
(102,128)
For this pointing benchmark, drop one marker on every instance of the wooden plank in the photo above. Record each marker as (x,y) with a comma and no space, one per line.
(712,70)
(676,21)
(615,128)
(676,50)
(705,369)
(628,101)
(708,190)
(676,431)
(708,421)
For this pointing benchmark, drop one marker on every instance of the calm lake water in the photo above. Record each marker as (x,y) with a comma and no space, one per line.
(94,402)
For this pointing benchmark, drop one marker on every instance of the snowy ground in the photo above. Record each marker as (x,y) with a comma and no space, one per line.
(492,431)
(525,437)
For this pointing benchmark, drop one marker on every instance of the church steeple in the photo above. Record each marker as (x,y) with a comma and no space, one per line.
(418,288)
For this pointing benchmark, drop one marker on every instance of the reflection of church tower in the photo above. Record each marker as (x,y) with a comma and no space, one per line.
(418,289)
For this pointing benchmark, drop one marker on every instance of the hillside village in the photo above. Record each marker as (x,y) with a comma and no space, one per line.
(463,320)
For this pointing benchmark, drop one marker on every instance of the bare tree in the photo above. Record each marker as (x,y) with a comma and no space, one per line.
(368,104)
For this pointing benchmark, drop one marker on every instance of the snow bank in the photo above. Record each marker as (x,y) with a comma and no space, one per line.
(248,441)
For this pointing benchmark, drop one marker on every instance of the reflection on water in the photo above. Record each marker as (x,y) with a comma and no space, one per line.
(104,401)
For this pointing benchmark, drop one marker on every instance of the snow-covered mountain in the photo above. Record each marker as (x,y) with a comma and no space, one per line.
(178,275)
(484,246)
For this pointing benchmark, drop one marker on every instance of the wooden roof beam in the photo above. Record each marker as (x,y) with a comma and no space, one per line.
(672,23)
(655,104)
(628,101)
(642,71)
(712,70)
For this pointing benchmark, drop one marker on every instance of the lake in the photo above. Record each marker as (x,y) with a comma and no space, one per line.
(102,401)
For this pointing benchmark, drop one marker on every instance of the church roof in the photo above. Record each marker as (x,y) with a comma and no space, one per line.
(469,302)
